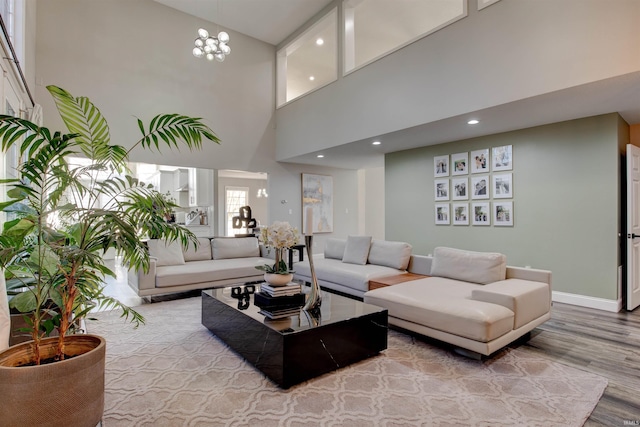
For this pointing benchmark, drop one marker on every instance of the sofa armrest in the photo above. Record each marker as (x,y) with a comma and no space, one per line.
(148,280)
(420,264)
(532,274)
(526,298)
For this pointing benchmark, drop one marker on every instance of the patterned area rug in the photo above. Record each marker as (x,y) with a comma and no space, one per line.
(173,372)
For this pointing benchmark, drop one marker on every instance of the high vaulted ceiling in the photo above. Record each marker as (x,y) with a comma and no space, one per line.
(272,21)
(268,20)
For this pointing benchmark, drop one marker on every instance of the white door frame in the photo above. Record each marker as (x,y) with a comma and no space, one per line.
(633,227)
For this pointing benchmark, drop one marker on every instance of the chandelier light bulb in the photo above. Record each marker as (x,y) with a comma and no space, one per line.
(210,56)
(208,49)
(211,42)
(224,48)
(223,37)
(202,33)
(219,56)
(199,42)
(197,52)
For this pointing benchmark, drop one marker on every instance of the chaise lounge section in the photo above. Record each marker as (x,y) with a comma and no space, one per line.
(472,300)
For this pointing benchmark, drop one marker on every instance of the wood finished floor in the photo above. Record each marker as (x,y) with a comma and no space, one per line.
(604,343)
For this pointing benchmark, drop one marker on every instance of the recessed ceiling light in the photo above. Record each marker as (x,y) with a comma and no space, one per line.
(320,156)
(319,42)
(312,78)
(376,143)
(473,122)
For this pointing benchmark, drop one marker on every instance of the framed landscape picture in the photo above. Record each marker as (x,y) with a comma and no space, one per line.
(441,166)
(442,214)
(502,158)
(317,193)
(503,214)
(460,188)
(460,213)
(441,189)
(460,164)
(480,187)
(502,186)
(480,161)
(480,214)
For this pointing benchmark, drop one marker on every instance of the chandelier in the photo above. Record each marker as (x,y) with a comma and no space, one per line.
(211,47)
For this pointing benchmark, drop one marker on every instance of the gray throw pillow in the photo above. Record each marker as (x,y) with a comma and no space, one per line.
(356,251)
(334,248)
(166,253)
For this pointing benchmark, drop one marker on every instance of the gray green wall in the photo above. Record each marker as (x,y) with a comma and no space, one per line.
(566,202)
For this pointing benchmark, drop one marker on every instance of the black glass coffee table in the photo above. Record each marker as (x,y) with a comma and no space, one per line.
(299,347)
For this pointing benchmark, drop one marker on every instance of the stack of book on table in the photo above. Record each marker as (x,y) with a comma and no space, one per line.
(279,301)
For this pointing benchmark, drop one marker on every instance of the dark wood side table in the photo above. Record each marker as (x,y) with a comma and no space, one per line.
(381,282)
(299,248)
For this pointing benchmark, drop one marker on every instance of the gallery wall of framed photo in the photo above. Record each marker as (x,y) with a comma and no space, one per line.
(474,188)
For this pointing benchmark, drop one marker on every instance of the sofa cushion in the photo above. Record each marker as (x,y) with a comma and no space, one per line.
(417,302)
(390,254)
(527,299)
(209,271)
(334,248)
(203,252)
(235,247)
(166,253)
(356,251)
(349,275)
(475,267)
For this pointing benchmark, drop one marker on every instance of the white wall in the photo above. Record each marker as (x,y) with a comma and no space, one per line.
(512,50)
(133,59)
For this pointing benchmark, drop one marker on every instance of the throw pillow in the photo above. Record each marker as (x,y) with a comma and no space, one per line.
(203,253)
(235,247)
(469,266)
(334,248)
(390,254)
(167,253)
(356,251)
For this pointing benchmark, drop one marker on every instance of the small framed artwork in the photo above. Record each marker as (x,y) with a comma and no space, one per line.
(459,188)
(441,166)
(441,189)
(503,214)
(460,213)
(480,187)
(502,186)
(481,213)
(480,161)
(502,158)
(442,214)
(460,164)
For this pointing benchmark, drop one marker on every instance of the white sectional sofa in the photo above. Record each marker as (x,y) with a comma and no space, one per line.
(347,265)
(218,262)
(472,300)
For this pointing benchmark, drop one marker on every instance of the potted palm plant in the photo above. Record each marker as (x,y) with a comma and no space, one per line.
(60,219)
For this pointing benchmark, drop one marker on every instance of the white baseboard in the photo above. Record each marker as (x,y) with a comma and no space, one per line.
(585,301)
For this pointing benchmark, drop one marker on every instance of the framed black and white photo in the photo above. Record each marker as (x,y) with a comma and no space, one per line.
(503,214)
(480,214)
(460,164)
(441,189)
(502,186)
(479,187)
(443,216)
(460,188)
(441,166)
(479,161)
(460,213)
(502,158)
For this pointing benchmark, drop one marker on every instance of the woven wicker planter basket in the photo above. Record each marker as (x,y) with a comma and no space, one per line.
(67,393)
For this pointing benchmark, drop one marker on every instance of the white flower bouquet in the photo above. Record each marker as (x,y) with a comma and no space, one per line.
(279,236)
